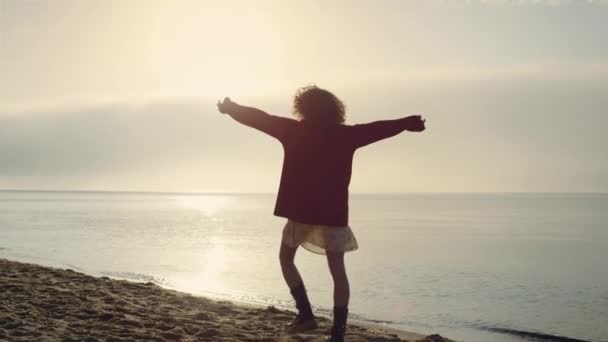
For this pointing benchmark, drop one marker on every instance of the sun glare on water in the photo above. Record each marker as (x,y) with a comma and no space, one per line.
(211,259)
(209,205)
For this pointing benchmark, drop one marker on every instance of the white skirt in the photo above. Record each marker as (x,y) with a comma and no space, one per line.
(319,238)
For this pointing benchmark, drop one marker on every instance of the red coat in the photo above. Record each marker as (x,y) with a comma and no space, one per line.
(317,162)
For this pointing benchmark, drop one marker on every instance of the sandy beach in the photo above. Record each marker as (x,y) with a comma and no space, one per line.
(51,304)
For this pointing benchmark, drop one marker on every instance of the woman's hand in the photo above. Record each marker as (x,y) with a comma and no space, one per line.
(415,123)
(227,106)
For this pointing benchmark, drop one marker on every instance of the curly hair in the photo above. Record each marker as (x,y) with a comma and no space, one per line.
(318,105)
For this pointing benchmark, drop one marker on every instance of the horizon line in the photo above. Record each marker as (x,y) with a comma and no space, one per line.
(199,193)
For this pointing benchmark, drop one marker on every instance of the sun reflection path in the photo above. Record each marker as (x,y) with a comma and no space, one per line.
(207,204)
(208,270)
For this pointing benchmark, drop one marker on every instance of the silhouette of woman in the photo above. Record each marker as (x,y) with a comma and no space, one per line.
(313,192)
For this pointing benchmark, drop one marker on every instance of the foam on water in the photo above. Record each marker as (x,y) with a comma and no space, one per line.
(139,277)
(536,336)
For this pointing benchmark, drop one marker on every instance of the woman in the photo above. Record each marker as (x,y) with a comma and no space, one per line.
(313,192)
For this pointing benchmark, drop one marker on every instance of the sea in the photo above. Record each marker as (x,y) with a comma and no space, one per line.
(474,267)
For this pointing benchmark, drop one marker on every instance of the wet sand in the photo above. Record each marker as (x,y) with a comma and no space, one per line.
(49,304)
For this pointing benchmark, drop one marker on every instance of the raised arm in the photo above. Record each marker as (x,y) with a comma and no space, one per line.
(255,118)
(365,134)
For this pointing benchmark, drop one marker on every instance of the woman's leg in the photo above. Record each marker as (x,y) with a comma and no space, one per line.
(290,272)
(335,261)
(305,319)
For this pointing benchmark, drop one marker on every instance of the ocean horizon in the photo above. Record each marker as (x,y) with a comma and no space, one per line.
(143,192)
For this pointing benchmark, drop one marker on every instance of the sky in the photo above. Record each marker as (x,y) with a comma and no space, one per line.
(120,95)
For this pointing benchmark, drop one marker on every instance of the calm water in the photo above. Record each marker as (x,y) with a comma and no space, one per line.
(456,264)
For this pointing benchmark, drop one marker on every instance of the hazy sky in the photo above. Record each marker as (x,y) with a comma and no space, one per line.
(120,95)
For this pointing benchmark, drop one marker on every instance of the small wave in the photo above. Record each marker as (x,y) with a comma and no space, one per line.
(287,305)
(537,336)
(137,277)
(376,321)
(73,267)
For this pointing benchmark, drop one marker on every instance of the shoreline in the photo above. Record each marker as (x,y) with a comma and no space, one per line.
(40,302)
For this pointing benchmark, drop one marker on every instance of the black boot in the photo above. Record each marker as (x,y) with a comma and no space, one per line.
(339,328)
(305,319)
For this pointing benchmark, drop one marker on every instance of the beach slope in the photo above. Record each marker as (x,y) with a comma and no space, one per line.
(42,303)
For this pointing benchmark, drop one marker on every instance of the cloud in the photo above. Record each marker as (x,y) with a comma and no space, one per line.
(86,142)
(538,70)
(516,135)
